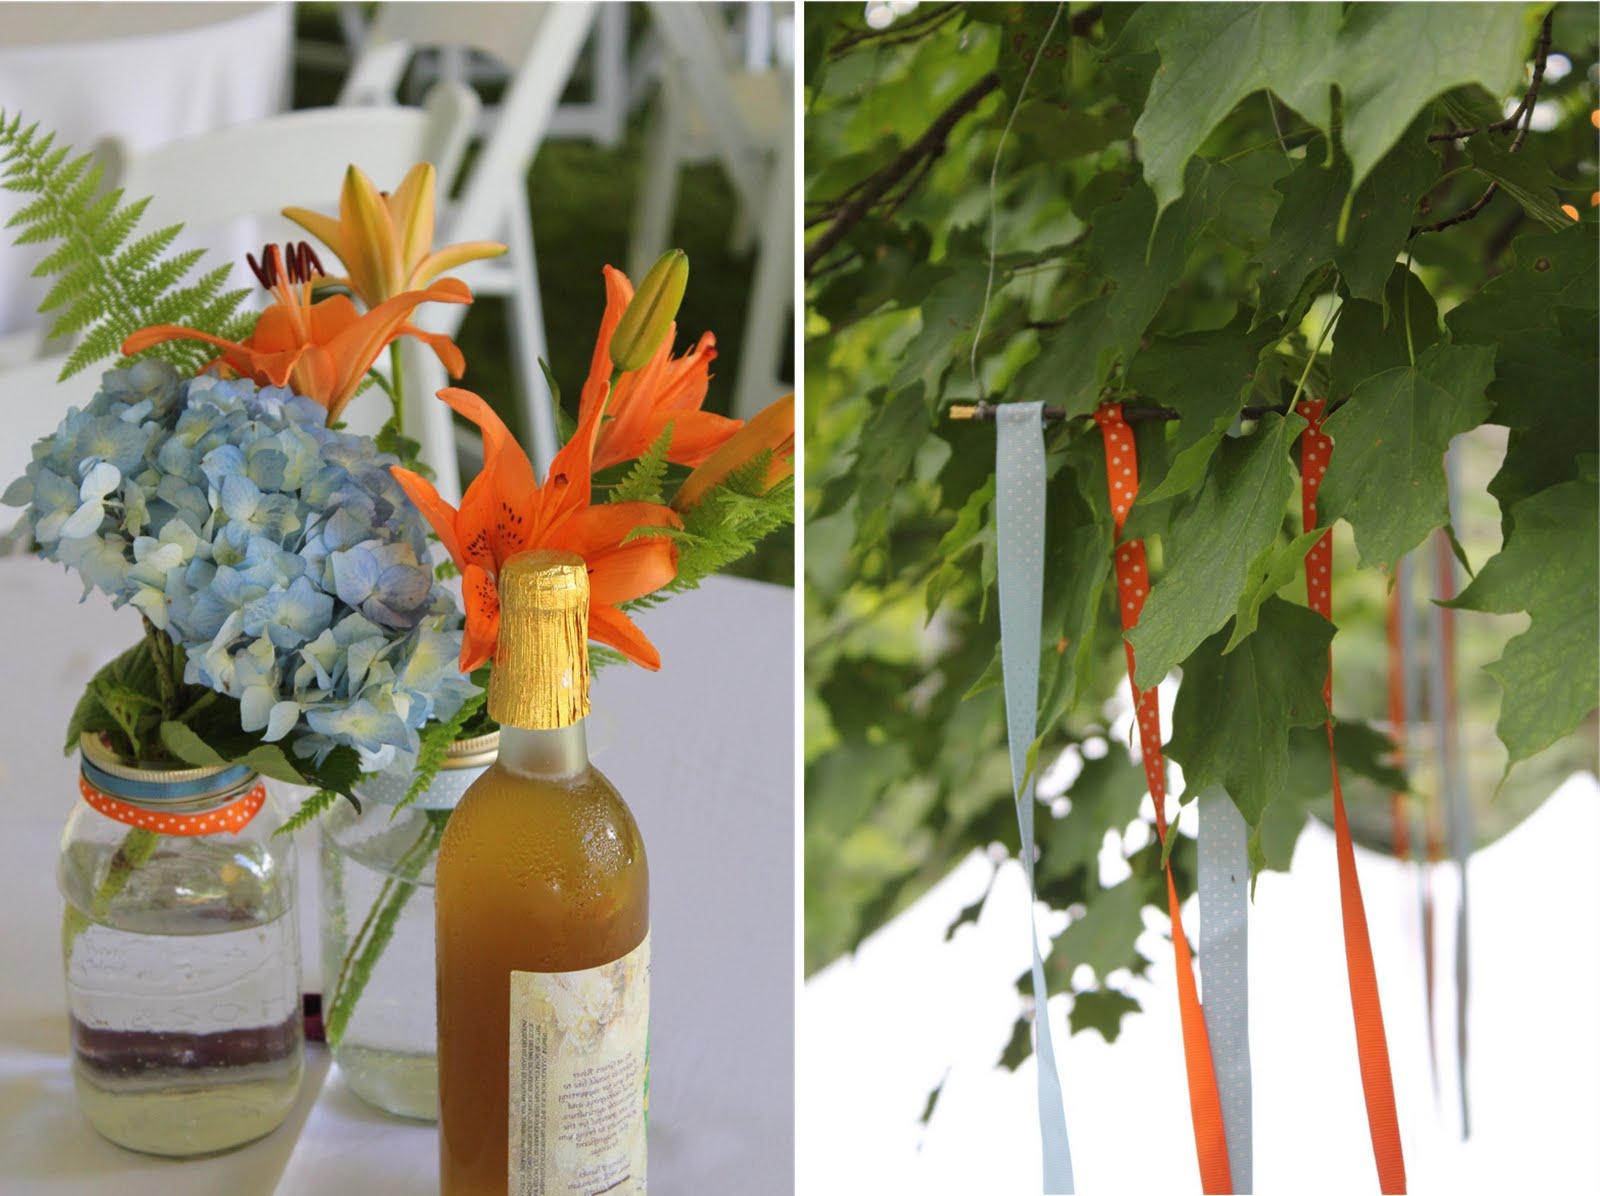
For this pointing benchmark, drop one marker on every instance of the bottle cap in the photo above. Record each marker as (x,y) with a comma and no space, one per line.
(540,678)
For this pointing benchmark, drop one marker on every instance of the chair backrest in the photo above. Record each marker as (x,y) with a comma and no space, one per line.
(228,189)
(34,402)
(695,40)
(537,42)
(251,171)
(505,32)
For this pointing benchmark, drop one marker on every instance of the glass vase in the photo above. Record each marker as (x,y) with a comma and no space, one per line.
(377,932)
(182,955)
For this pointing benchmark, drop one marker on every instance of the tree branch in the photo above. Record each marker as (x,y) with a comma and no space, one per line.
(1133,413)
(921,24)
(869,192)
(1541,53)
(930,145)
(1524,113)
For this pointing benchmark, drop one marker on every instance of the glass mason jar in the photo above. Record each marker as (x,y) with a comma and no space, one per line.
(377,932)
(182,955)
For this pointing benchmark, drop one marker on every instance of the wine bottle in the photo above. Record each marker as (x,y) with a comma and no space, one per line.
(543,927)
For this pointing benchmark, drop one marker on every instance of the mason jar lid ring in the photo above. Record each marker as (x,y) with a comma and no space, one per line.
(477,752)
(109,772)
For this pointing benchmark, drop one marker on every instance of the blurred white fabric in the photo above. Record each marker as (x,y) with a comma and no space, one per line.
(703,751)
(145,72)
(878,1032)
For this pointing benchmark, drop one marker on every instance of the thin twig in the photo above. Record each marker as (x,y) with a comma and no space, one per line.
(1511,121)
(930,145)
(869,192)
(1133,413)
(902,31)
(1524,112)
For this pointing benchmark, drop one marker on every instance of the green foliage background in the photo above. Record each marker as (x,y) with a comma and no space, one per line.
(1189,197)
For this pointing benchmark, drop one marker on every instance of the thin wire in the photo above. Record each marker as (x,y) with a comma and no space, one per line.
(994,174)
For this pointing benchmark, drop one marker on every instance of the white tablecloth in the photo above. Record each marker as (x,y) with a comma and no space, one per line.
(703,751)
(147,73)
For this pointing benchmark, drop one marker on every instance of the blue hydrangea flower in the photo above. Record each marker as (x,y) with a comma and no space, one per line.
(282,555)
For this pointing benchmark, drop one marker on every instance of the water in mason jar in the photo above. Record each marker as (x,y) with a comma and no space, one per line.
(377,962)
(185,1016)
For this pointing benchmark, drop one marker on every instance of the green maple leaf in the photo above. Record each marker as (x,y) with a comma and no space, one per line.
(1213,544)
(1372,337)
(1386,476)
(1105,795)
(1206,377)
(1548,568)
(1231,722)
(1104,935)
(1523,177)
(1141,258)
(1393,59)
(1540,316)
(949,318)
(1213,56)
(1101,1009)
(1306,230)
(1019,1046)
(1275,568)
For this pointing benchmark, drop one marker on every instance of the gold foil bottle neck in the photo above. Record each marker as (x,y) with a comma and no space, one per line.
(540,678)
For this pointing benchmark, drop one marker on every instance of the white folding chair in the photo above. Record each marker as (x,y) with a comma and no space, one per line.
(600,119)
(250,172)
(740,114)
(34,403)
(539,43)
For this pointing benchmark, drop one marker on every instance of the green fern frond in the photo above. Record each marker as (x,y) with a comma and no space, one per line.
(310,810)
(105,287)
(643,481)
(726,525)
(436,739)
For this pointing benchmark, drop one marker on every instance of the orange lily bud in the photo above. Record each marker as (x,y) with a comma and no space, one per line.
(649,317)
(771,430)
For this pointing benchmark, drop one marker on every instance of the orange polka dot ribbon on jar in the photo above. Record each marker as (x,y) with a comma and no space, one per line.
(219,820)
(1133,587)
(1372,1047)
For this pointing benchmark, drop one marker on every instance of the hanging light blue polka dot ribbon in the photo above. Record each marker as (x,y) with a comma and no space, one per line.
(1019,529)
(1225,969)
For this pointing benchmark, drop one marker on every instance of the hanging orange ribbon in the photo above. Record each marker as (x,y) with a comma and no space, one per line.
(1372,1047)
(1133,586)
(229,819)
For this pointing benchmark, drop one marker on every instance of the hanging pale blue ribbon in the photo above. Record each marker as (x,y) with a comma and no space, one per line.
(1019,526)
(1225,969)
(1453,781)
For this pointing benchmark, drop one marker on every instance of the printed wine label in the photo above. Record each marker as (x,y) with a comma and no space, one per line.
(580,1076)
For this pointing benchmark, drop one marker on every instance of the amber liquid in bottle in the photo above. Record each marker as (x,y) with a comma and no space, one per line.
(541,870)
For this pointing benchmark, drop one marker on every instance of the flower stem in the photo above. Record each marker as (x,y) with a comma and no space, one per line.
(397,390)
(378,928)
(137,846)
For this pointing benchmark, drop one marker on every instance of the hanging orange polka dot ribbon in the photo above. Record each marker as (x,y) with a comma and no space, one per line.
(1372,1047)
(1133,587)
(229,819)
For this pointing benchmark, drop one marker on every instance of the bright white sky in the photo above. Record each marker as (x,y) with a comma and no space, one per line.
(879,1030)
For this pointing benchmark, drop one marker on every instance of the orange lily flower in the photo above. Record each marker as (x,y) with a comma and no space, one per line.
(505,511)
(644,401)
(320,350)
(386,240)
(772,430)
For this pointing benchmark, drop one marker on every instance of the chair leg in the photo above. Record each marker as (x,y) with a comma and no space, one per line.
(772,291)
(657,198)
(525,316)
